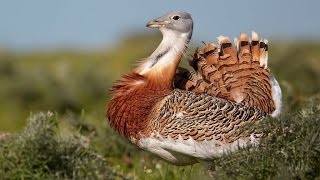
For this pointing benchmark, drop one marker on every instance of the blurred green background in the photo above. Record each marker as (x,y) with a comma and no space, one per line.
(73,81)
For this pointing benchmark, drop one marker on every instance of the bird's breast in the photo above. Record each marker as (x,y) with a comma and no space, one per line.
(131,112)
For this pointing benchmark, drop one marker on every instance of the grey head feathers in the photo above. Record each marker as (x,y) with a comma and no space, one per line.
(176,29)
(180,22)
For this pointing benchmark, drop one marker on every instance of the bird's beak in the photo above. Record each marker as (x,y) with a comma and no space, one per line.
(155,24)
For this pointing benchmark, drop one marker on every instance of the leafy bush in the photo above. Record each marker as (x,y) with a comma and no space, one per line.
(38,152)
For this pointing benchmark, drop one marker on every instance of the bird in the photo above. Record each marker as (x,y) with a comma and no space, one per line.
(193,116)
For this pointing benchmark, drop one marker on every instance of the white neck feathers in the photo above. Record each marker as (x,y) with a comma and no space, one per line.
(171,47)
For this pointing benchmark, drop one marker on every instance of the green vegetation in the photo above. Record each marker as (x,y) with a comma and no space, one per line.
(39,153)
(74,84)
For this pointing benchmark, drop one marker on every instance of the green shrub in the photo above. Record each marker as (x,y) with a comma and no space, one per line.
(38,152)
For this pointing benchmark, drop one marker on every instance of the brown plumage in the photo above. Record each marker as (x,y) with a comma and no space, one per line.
(203,115)
(240,75)
(132,105)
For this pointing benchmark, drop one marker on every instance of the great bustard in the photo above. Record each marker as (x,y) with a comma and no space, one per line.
(187,117)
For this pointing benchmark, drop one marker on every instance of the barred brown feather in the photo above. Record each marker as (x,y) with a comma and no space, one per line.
(240,75)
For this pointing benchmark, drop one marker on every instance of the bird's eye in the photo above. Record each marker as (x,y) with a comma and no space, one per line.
(176,17)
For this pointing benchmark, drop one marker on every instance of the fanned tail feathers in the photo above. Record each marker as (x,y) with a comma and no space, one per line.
(239,73)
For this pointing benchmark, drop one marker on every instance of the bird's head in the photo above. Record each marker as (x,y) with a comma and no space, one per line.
(161,65)
(178,22)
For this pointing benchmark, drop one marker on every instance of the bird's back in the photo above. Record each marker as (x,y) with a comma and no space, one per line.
(187,127)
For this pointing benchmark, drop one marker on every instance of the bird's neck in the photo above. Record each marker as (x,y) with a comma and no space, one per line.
(161,65)
(137,93)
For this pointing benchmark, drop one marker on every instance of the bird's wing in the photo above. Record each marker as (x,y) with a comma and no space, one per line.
(238,74)
(201,125)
